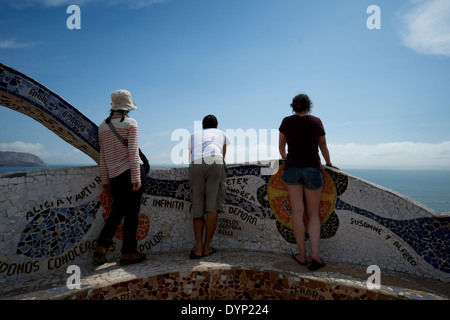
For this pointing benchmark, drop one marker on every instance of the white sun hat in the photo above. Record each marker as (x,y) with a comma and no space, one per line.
(121,100)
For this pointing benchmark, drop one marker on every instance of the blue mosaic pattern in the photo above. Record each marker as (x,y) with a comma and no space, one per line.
(430,238)
(55,230)
(52,232)
(23,94)
(180,190)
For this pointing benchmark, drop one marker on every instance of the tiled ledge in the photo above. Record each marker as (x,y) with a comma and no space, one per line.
(228,274)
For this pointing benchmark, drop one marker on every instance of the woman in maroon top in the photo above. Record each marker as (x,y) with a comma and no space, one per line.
(304,134)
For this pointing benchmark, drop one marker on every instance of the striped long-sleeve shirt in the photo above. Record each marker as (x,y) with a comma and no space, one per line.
(115,158)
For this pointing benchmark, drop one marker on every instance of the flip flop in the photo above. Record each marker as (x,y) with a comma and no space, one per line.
(294,256)
(213,250)
(315,265)
(193,255)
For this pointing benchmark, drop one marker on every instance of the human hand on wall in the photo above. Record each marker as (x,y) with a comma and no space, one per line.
(136,186)
(332,166)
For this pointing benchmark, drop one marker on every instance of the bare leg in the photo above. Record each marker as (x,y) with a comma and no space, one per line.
(199,224)
(298,209)
(210,229)
(312,209)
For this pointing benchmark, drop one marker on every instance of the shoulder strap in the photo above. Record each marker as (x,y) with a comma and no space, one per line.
(113,129)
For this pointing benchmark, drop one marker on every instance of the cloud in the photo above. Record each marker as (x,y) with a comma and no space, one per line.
(133,4)
(45,3)
(12,44)
(426,27)
(252,145)
(20,146)
(393,155)
(137,4)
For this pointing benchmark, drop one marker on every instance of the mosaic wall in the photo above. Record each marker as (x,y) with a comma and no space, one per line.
(24,94)
(50,219)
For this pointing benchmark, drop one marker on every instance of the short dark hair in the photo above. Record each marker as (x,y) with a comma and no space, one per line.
(301,103)
(209,122)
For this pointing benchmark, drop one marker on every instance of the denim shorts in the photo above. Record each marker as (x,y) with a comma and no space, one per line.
(310,177)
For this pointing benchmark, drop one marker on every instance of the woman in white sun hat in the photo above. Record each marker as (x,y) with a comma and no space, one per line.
(122,172)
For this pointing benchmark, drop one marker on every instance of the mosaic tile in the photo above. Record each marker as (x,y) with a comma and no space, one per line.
(23,94)
(267,276)
(54,231)
(50,219)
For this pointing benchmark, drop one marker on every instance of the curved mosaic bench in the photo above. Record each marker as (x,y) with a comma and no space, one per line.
(49,219)
(231,274)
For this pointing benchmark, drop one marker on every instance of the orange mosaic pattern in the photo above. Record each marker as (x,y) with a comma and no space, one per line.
(281,204)
(144,221)
(226,285)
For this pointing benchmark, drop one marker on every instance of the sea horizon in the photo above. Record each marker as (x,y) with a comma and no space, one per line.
(429,187)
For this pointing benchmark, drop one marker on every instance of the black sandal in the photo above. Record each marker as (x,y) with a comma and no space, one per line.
(294,256)
(99,258)
(193,255)
(100,255)
(213,250)
(316,265)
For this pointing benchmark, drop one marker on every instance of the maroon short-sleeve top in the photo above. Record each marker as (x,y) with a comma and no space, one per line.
(302,134)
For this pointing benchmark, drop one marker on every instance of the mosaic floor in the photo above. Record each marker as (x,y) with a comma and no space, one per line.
(227,275)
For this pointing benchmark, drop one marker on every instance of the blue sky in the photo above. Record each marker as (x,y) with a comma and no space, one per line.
(383,95)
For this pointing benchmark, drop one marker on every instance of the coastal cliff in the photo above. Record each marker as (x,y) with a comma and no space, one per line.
(20,159)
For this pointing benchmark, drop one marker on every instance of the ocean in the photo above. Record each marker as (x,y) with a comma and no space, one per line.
(429,187)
